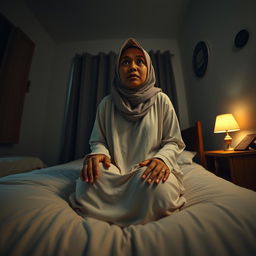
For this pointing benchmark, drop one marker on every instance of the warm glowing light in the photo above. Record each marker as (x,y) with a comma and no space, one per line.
(243,113)
(225,123)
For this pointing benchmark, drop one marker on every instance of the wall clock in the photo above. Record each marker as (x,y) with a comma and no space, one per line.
(200,58)
(241,38)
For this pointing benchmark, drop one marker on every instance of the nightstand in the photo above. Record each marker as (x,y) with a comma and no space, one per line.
(238,167)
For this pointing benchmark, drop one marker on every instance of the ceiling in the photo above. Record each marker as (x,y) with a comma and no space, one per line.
(76,20)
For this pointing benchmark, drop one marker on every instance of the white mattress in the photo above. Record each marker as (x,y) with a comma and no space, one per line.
(36,219)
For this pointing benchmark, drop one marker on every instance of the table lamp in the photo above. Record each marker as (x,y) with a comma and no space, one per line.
(226,123)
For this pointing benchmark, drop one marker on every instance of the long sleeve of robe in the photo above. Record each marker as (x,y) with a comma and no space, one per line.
(127,143)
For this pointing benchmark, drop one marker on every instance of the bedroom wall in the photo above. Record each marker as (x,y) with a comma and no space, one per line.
(57,93)
(43,111)
(34,111)
(229,85)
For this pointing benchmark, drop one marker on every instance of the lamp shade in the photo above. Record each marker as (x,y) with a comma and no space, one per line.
(225,123)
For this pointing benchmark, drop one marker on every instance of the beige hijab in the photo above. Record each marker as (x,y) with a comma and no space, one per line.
(134,103)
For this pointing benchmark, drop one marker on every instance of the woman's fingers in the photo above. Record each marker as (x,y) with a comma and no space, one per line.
(96,161)
(106,162)
(166,175)
(160,176)
(154,173)
(157,170)
(86,172)
(151,166)
(95,166)
(90,170)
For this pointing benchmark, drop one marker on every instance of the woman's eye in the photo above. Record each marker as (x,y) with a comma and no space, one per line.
(125,62)
(140,61)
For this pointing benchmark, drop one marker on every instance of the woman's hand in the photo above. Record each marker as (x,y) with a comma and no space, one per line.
(157,170)
(90,170)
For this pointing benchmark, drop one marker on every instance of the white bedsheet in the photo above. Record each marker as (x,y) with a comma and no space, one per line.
(219,218)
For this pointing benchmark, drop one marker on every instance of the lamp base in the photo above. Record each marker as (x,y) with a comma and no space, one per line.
(228,141)
(229,149)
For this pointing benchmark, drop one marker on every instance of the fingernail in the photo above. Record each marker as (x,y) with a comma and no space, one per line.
(157,181)
(149,181)
(144,176)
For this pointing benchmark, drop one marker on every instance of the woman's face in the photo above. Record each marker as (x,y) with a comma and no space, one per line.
(132,67)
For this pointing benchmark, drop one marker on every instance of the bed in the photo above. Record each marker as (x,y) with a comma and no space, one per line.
(36,219)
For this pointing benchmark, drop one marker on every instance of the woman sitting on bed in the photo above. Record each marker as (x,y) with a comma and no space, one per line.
(131,175)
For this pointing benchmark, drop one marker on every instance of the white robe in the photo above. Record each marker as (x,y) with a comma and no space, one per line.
(127,143)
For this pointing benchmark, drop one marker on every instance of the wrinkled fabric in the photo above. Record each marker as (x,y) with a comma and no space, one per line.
(36,219)
(126,199)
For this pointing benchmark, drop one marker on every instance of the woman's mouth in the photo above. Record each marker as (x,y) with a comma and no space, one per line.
(133,77)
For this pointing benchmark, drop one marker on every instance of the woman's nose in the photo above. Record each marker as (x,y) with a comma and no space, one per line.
(133,66)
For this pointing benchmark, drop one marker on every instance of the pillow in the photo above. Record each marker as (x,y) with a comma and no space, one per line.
(186,157)
(17,164)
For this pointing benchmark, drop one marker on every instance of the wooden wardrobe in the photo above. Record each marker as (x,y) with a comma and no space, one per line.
(16,51)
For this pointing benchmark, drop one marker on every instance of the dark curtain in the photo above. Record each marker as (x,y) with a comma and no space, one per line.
(91,79)
(164,75)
